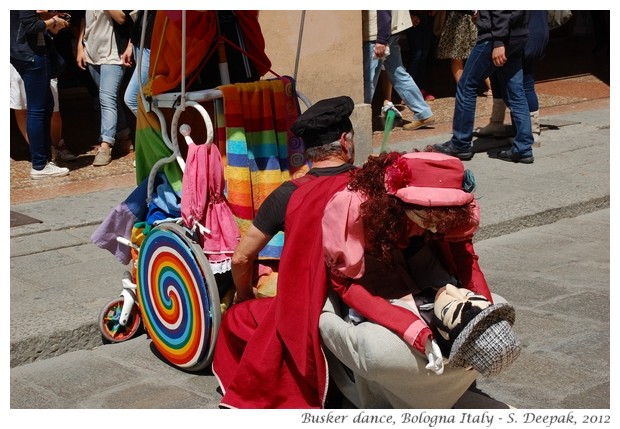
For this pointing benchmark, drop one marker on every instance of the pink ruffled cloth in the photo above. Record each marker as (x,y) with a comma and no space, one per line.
(343,233)
(203,202)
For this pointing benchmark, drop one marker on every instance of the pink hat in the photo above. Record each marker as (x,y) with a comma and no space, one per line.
(427,179)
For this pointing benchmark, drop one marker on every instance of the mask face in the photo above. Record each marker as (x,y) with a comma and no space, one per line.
(417,216)
(452,304)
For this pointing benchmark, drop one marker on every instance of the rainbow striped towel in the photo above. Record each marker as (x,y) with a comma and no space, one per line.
(261,151)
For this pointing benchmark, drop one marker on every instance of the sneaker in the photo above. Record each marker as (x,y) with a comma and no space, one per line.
(449,149)
(50,170)
(415,124)
(428,96)
(103,157)
(509,155)
(390,106)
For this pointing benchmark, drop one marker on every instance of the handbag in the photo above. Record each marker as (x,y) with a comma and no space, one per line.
(557,18)
(57,62)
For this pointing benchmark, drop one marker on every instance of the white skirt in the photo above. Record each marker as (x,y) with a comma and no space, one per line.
(18,93)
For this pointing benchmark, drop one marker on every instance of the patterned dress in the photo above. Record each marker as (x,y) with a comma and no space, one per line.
(457,37)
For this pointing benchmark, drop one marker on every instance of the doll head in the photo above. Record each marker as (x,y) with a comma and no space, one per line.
(474,333)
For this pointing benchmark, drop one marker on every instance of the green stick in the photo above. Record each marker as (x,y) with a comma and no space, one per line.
(389,124)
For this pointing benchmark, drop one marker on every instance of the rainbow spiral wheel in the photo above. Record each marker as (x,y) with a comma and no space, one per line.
(178,297)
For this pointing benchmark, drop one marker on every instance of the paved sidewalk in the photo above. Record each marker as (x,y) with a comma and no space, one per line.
(543,244)
(555,275)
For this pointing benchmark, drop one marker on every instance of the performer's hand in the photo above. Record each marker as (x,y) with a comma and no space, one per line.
(434,356)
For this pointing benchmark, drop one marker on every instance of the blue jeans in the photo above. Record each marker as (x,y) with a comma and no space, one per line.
(401,80)
(479,66)
(108,78)
(132,93)
(40,103)
(528,85)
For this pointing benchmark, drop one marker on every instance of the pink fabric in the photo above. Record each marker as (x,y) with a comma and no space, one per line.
(428,179)
(343,230)
(343,235)
(203,202)
(417,334)
(433,197)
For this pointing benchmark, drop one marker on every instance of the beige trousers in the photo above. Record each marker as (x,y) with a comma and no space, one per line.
(374,368)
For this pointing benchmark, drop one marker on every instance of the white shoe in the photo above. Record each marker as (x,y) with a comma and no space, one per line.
(50,170)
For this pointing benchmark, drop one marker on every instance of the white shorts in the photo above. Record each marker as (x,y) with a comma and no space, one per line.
(18,93)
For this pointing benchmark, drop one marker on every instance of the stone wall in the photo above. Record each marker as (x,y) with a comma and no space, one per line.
(322,50)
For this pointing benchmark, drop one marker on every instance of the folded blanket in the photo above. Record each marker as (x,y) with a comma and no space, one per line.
(261,151)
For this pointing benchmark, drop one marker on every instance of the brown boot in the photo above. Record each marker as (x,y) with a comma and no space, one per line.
(423,123)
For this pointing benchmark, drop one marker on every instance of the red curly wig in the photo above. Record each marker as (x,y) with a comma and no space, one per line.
(385,221)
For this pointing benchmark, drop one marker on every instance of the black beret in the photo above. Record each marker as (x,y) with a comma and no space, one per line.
(325,121)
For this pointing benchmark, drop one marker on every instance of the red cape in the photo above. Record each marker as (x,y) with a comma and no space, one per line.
(268,352)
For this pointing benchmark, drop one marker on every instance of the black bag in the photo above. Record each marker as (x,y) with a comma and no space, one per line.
(57,62)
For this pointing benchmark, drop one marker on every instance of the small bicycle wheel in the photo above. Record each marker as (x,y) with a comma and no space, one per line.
(111,329)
